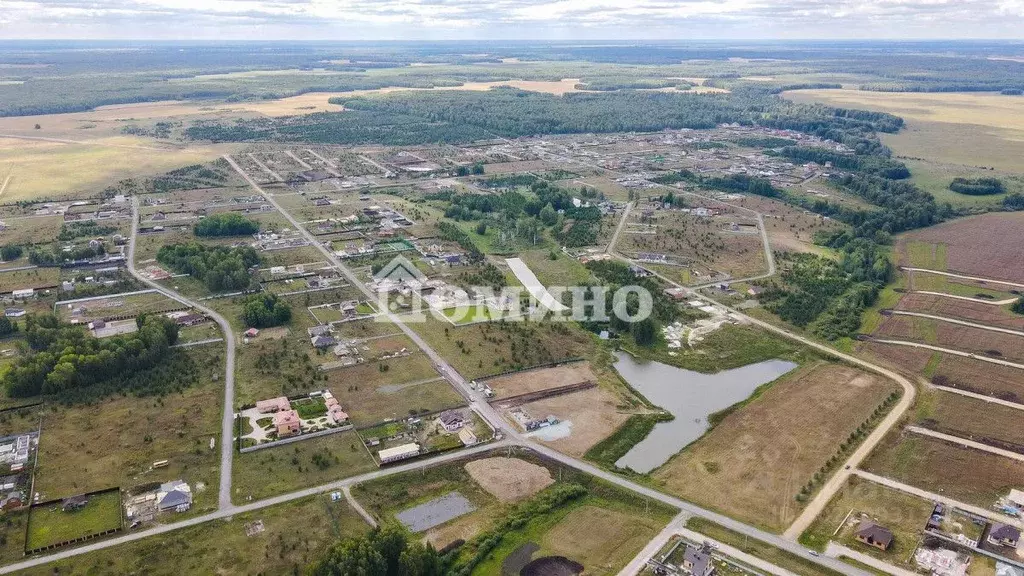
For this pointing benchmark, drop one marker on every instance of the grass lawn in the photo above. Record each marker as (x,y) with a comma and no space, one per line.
(310,408)
(562,271)
(963,474)
(115,441)
(49,524)
(295,534)
(755,461)
(467,314)
(310,462)
(902,513)
(12,536)
(776,556)
(34,278)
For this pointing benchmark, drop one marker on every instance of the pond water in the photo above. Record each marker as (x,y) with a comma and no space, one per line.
(691,397)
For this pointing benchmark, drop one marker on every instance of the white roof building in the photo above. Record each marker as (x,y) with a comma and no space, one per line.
(398,453)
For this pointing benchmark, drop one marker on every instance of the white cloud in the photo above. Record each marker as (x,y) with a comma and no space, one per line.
(511,19)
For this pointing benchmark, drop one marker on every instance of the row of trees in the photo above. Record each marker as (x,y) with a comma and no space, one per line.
(225,224)
(977,186)
(66,358)
(219,267)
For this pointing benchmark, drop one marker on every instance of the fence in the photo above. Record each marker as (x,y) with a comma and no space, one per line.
(80,539)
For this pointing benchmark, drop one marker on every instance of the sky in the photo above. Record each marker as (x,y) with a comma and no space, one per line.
(510,19)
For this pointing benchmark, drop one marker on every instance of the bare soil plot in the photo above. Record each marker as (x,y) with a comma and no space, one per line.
(509,479)
(961,309)
(541,379)
(753,463)
(978,420)
(592,415)
(914,359)
(981,377)
(986,246)
(963,474)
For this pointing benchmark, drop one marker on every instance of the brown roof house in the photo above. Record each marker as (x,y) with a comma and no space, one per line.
(287,423)
(1004,535)
(874,535)
(278,404)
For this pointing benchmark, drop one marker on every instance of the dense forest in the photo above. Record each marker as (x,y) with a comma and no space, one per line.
(265,310)
(403,118)
(65,357)
(218,267)
(977,186)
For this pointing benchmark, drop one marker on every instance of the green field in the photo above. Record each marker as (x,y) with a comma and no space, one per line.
(48,525)
(468,314)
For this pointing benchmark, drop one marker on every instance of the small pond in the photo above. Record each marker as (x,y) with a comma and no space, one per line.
(691,397)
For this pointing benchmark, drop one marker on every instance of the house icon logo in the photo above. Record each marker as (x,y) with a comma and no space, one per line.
(400,270)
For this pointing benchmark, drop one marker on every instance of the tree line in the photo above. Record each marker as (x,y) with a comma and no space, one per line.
(225,224)
(65,357)
(218,267)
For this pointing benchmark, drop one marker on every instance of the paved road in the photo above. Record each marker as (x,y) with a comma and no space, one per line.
(952,275)
(896,485)
(950,351)
(227,434)
(836,550)
(968,298)
(982,397)
(838,480)
(956,321)
(967,443)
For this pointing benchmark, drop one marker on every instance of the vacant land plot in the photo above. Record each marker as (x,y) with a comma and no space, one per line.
(978,129)
(49,525)
(963,474)
(789,228)
(371,393)
(591,416)
(509,479)
(293,535)
(979,376)
(953,336)
(864,501)
(493,347)
(541,379)
(971,418)
(117,305)
(986,246)
(29,230)
(976,312)
(302,464)
(754,462)
(36,278)
(115,441)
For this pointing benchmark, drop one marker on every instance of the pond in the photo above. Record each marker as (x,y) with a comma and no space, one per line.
(691,397)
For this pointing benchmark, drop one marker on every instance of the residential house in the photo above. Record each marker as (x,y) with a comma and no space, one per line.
(97,325)
(190,320)
(874,535)
(320,330)
(325,341)
(451,420)
(23,293)
(174,495)
(74,503)
(287,423)
(1003,535)
(755,291)
(697,561)
(278,404)
(251,333)
(14,312)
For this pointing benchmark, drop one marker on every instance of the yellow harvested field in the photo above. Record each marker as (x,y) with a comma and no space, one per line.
(509,479)
(33,168)
(974,129)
